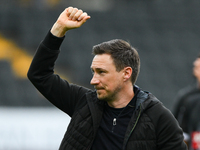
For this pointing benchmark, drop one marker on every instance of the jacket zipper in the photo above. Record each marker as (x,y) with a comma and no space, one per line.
(133,127)
(114,123)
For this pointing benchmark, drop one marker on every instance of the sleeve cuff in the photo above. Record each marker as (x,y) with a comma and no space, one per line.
(53,42)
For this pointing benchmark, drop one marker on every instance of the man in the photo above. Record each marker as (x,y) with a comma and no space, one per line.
(187,108)
(118,115)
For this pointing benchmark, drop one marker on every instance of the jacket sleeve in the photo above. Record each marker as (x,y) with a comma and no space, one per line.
(58,91)
(168,132)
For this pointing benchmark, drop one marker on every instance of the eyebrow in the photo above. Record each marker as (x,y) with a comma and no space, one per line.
(98,69)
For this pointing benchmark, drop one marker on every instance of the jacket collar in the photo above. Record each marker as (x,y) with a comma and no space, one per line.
(144,98)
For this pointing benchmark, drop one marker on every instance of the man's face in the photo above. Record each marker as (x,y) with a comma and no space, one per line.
(106,80)
(196,69)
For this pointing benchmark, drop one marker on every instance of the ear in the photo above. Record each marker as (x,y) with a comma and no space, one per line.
(127,73)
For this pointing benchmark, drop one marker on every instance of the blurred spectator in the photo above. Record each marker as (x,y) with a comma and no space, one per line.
(194,128)
(187,110)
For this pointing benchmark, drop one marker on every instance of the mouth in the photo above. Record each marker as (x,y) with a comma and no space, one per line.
(99,88)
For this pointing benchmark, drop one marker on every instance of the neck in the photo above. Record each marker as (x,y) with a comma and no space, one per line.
(123,98)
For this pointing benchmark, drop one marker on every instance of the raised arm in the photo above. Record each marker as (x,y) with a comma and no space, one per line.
(70,18)
(59,92)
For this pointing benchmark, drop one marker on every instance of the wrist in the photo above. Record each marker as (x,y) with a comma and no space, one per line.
(58,30)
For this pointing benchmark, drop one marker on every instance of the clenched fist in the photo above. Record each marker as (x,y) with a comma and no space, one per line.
(70,18)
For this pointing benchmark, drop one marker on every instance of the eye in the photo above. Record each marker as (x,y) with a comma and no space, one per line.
(101,71)
(98,71)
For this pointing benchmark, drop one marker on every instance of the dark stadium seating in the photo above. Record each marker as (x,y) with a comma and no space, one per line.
(166,34)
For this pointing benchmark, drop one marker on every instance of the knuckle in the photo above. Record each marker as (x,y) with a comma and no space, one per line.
(81,11)
(76,9)
(85,13)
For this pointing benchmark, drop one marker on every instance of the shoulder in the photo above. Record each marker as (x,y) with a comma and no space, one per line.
(186,91)
(185,97)
(154,108)
(158,112)
(165,125)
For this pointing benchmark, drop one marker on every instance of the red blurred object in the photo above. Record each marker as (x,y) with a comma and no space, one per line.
(196,140)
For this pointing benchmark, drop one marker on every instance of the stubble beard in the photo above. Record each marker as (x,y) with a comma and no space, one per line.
(108,96)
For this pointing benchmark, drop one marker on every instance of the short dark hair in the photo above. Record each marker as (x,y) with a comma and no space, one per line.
(123,55)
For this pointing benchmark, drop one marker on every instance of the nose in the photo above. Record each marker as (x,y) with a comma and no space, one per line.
(94,80)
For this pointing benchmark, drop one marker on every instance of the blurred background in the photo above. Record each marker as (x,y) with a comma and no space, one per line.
(165,33)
